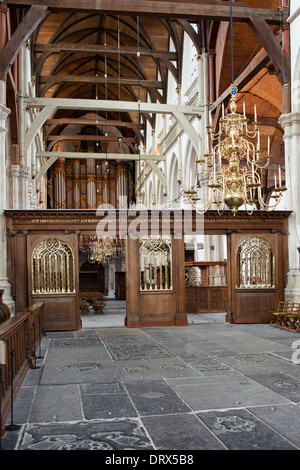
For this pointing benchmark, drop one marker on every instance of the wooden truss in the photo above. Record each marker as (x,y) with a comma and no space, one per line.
(48,106)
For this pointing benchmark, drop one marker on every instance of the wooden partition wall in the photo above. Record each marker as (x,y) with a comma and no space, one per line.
(256,288)
(149,307)
(52,267)
(31,234)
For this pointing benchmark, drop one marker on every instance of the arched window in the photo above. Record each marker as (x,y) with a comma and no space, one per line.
(53,268)
(255,264)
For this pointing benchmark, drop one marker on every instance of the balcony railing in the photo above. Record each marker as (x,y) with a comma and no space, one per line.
(20,337)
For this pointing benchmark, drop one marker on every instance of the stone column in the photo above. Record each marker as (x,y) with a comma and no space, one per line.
(291,125)
(4,284)
(26,188)
(111,279)
(15,191)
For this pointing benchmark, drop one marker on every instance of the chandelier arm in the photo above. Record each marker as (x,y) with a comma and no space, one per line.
(221,212)
(261,167)
(268,207)
(249,212)
(205,207)
(251,134)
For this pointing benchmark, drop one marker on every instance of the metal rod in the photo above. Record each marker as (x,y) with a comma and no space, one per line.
(231,33)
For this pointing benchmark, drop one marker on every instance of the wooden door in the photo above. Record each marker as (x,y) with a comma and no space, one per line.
(155,307)
(253,292)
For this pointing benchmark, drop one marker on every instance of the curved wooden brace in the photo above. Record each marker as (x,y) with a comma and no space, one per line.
(36,124)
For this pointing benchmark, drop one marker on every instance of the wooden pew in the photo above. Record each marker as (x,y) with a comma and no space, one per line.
(91,298)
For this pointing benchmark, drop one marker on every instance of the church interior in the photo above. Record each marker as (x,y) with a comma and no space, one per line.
(149,180)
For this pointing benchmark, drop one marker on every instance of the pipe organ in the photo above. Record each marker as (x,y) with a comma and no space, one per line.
(86,183)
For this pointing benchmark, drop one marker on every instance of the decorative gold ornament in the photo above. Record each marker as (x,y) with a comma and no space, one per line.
(255,264)
(233,165)
(155,254)
(53,268)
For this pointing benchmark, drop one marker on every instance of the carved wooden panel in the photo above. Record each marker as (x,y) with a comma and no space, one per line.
(206,299)
(61,308)
(251,304)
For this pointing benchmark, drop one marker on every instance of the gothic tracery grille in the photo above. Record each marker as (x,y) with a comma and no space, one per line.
(156,263)
(255,264)
(53,268)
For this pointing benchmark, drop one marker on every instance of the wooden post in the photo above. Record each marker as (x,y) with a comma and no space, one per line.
(132,283)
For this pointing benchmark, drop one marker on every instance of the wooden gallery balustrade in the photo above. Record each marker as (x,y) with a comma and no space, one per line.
(21,334)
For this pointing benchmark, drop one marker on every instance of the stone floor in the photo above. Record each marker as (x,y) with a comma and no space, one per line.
(207,386)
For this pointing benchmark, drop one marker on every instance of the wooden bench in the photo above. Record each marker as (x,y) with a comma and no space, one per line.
(95,299)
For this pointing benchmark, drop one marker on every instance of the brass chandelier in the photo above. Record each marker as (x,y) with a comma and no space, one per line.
(234,162)
(239,182)
(105,249)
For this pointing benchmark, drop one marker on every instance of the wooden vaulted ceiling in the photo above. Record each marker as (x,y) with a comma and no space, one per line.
(83,53)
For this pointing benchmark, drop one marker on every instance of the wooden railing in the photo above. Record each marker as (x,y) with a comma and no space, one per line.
(21,335)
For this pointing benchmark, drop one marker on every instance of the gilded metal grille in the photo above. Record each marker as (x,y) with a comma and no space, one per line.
(53,268)
(256,263)
(156,263)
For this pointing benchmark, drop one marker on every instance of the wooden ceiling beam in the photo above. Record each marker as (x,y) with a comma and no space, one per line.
(51,79)
(90,122)
(112,138)
(208,10)
(194,36)
(52,124)
(101,49)
(167,57)
(30,21)
(101,155)
(109,105)
(271,45)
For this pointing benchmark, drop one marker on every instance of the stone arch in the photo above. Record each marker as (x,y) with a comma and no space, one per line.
(174,188)
(160,194)
(190,165)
